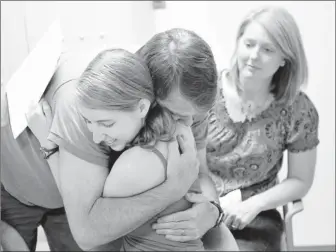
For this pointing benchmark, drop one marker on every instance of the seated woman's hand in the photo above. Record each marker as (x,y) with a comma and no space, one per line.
(238,215)
(39,119)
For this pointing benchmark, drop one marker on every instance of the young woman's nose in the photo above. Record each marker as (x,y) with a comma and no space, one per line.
(97,133)
(98,137)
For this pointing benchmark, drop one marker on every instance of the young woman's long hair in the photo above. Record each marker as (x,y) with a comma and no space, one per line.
(116,80)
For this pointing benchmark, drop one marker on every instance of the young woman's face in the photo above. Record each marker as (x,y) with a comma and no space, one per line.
(114,128)
(258,57)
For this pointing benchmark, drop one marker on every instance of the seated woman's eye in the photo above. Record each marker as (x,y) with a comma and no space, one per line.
(268,50)
(248,43)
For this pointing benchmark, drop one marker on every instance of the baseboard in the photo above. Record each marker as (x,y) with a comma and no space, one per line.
(315,248)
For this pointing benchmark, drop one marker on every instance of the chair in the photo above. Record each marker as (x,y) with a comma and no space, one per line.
(289,210)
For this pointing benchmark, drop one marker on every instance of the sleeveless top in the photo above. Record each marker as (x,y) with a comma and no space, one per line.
(145,238)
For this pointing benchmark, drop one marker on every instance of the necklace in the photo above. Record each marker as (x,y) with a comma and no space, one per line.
(240,110)
(251,108)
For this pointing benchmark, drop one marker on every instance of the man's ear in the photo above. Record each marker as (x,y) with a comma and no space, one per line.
(144,106)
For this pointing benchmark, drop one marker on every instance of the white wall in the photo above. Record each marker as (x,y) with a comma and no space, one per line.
(84,24)
(217,23)
(14,47)
(91,23)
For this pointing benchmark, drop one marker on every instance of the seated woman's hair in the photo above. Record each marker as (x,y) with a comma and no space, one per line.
(283,30)
(117,80)
(179,58)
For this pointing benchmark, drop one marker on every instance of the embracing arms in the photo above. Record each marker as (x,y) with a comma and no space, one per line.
(95,220)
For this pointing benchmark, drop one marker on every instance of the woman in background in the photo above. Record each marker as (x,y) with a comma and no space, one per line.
(260,113)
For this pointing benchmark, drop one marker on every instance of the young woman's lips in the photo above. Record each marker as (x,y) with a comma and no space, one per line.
(111,142)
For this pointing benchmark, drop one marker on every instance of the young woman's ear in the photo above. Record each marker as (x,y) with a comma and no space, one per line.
(144,105)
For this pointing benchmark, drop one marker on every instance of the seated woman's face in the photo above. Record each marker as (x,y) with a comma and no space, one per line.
(115,128)
(257,55)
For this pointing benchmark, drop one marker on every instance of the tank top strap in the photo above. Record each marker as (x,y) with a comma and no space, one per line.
(162,158)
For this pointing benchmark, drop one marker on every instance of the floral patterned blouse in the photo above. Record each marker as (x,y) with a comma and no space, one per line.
(248,155)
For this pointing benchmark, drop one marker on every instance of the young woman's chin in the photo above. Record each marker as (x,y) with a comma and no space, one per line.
(118,146)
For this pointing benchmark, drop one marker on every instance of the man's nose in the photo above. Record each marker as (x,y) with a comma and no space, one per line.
(186,120)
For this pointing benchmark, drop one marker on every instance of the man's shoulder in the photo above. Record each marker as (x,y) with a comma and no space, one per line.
(70,67)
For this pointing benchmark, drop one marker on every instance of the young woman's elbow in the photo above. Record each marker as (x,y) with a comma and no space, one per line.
(84,238)
(89,239)
(85,242)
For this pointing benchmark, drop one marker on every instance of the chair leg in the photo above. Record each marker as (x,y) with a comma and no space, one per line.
(283,245)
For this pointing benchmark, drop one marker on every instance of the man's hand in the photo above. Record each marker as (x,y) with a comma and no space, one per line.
(239,215)
(183,165)
(190,224)
(39,120)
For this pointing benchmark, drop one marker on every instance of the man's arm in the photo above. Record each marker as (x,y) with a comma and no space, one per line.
(95,220)
(203,215)
(207,185)
(200,132)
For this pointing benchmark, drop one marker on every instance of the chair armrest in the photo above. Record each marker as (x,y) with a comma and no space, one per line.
(291,209)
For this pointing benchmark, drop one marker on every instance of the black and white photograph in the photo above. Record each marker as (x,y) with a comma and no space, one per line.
(217,116)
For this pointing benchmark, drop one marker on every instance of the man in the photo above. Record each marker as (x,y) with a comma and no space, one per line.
(30,197)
